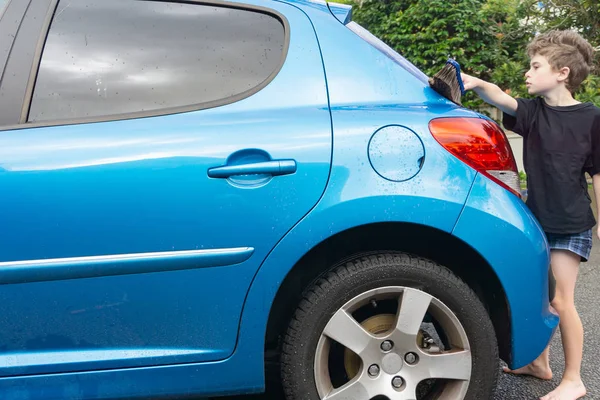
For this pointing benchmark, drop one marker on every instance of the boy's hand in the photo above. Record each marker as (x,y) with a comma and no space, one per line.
(469,82)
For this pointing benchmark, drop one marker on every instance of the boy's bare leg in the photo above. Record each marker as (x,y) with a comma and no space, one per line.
(539,368)
(565,266)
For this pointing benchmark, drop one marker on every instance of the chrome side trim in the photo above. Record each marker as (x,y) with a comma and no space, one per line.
(118,264)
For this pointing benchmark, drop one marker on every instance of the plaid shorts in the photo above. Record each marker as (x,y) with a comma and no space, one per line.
(578,243)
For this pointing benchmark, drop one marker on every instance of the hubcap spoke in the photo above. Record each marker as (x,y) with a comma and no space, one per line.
(412,307)
(455,365)
(373,349)
(351,390)
(344,329)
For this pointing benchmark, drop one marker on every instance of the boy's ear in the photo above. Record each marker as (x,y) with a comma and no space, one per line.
(563,74)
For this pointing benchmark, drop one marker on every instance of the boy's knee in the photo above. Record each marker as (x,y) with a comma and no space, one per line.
(555,303)
(561,303)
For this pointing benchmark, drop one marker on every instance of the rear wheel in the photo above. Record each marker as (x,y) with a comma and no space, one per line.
(389,326)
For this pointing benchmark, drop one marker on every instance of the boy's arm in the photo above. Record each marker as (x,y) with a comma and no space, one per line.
(491,94)
(596,183)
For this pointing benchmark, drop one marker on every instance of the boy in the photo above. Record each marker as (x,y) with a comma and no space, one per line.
(561,141)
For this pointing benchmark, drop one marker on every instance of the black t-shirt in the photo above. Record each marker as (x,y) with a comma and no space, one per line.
(560,144)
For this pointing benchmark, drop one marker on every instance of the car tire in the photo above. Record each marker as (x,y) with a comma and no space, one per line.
(309,365)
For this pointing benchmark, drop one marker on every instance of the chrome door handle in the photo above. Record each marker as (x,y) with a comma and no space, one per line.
(274,168)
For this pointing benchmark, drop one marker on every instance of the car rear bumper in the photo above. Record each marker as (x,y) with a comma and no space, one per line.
(501,228)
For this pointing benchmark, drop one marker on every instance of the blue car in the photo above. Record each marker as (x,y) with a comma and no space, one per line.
(211,198)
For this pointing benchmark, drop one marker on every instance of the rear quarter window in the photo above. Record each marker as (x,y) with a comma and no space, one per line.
(115,57)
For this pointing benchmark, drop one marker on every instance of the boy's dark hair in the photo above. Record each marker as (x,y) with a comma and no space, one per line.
(565,49)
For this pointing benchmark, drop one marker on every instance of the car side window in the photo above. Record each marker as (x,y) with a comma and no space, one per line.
(105,58)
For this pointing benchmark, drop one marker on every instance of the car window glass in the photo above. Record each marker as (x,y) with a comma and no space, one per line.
(111,57)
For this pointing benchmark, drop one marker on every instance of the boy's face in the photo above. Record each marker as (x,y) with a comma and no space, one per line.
(542,78)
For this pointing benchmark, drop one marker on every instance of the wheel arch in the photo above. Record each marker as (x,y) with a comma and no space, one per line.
(419,240)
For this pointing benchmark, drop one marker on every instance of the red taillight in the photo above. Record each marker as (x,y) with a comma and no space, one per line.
(481,144)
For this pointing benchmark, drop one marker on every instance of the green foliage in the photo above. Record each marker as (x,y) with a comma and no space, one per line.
(523,179)
(590,90)
(480,34)
(487,37)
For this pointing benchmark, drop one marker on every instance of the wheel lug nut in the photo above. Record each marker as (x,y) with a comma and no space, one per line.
(387,345)
(411,358)
(397,382)
(374,370)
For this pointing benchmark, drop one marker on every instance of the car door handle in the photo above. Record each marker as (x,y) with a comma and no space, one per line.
(274,168)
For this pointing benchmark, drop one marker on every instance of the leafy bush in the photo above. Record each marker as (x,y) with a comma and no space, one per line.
(487,37)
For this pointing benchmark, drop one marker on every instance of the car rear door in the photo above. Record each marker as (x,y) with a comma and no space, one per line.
(151,155)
